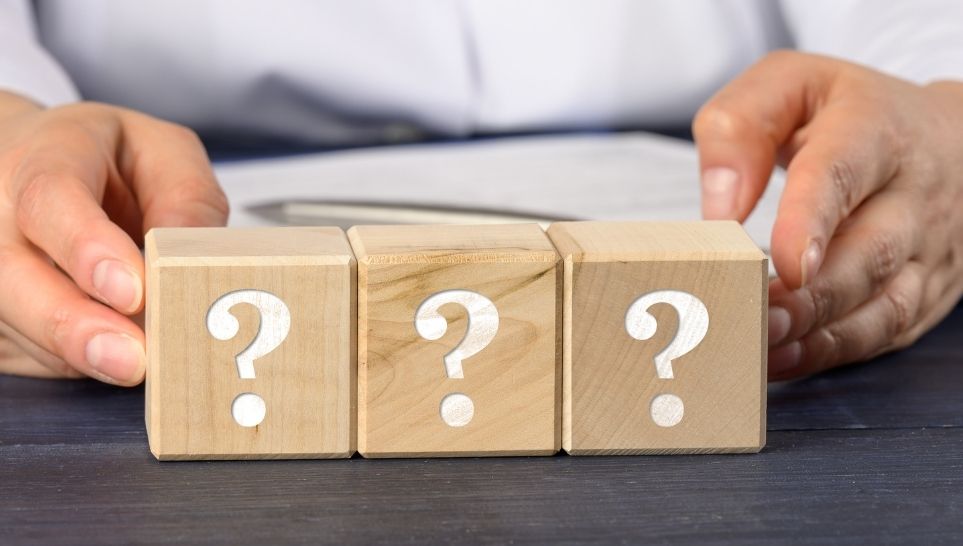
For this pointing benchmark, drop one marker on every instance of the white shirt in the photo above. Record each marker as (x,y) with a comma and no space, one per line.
(369,71)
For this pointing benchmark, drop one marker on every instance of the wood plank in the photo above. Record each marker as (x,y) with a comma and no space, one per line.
(816,487)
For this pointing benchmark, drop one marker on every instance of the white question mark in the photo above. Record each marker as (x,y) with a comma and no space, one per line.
(248,408)
(457,409)
(667,409)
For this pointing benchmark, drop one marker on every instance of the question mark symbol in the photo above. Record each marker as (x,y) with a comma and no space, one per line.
(248,408)
(667,409)
(457,409)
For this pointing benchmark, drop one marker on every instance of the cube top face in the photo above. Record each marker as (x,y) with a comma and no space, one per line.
(304,245)
(458,341)
(612,241)
(481,243)
(250,354)
(665,347)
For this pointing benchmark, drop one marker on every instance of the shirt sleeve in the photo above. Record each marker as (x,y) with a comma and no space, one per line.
(921,41)
(26,68)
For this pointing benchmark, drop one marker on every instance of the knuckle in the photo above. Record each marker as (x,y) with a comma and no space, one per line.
(717,120)
(835,346)
(86,120)
(821,349)
(217,199)
(884,256)
(32,208)
(901,311)
(890,137)
(29,199)
(844,181)
(57,329)
(909,336)
(185,134)
(68,253)
(821,300)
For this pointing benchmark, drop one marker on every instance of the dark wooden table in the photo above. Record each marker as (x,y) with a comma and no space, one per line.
(870,454)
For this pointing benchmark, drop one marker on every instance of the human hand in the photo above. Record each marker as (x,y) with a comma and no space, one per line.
(81,184)
(868,240)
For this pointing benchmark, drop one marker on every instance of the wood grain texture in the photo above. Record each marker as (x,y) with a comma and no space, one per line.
(610,377)
(810,487)
(513,381)
(307,382)
(866,454)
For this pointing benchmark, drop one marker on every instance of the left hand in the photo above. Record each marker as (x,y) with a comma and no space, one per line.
(868,240)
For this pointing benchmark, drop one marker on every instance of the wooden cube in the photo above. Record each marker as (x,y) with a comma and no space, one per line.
(458,340)
(665,338)
(250,343)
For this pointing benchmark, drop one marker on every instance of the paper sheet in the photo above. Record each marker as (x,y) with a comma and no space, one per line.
(623,176)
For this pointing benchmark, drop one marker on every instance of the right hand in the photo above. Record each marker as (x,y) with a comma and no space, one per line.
(81,184)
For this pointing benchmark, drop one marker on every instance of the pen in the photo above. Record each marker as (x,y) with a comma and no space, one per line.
(349,213)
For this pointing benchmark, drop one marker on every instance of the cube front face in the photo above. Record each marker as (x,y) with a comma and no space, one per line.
(616,399)
(501,315)
(614,378)
(204,316)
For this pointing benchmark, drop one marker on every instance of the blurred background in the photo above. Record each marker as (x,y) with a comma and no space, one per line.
(428,111)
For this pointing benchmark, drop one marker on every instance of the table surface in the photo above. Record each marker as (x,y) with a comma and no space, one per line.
(868,454)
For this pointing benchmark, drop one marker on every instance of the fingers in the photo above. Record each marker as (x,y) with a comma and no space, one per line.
(61,189)
(86,180)
(18,363)
(857,272)
(740,130)
(56,191)
(859,335)
(840,150)
(171,175)
(828,178)
(58,212)
(43,305)
(14,346)
(942,294)
(874,245)
(14,360)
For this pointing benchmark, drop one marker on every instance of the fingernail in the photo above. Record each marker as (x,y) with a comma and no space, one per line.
(785,358)
(779,323)
(812,258)
(119,357)
(117,285)
(719,188)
